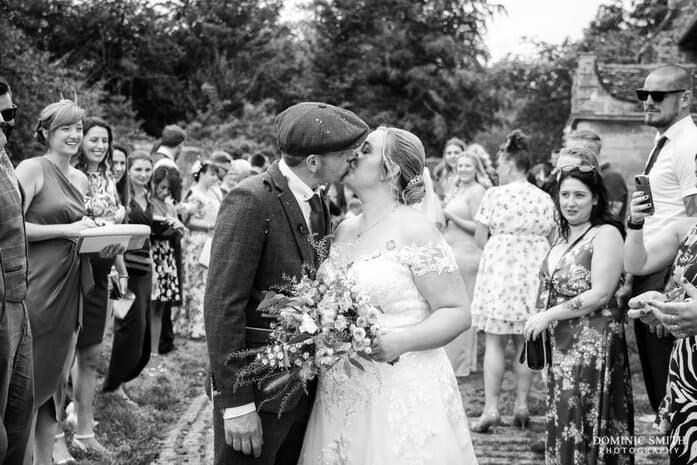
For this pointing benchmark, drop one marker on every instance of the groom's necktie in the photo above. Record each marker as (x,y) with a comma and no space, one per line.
(318,223)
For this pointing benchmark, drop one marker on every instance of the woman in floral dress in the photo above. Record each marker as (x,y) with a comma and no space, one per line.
(166,187)
(589,389)
(203,200)
(519,217)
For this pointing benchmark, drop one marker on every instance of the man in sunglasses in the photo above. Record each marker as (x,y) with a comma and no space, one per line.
(666,97)
(16,370)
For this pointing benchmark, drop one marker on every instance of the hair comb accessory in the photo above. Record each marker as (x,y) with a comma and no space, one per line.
(416,180)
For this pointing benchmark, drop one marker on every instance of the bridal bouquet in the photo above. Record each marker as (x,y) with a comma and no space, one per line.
(317,324)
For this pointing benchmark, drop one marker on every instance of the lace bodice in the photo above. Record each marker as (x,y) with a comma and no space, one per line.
(386,277)
(406,413)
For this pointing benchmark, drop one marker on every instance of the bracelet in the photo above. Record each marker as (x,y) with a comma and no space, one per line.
(636,225)
(123,276)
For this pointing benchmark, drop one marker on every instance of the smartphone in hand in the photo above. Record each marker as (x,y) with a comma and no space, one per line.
(641,181)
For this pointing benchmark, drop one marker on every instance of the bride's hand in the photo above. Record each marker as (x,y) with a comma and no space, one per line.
(389,346)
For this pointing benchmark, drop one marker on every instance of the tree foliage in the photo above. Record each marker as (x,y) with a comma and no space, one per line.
(413,64)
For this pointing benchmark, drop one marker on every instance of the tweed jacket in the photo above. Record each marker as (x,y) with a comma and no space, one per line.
(260,237)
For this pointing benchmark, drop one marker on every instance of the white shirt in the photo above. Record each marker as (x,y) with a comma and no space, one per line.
(672,177)
(302,193)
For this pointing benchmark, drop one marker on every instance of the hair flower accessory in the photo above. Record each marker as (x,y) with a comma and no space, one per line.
(196,167)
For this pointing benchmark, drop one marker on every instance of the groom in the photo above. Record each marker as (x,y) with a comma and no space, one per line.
(261,236)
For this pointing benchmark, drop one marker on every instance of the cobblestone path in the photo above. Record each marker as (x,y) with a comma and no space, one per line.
(191,441)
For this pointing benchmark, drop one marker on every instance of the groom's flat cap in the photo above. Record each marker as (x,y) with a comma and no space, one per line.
(318,128)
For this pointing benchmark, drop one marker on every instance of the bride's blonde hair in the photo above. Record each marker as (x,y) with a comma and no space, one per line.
(404,150)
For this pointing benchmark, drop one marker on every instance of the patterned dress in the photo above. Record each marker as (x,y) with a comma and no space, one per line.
(520,217)
(589,389)
(679,408)
(102,203)
(407,413)
(165,283)
(189,321)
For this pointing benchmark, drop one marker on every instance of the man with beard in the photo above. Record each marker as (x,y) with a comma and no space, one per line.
(16,378)
(666,96)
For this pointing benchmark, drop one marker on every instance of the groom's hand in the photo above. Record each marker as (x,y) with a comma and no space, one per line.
(244,434)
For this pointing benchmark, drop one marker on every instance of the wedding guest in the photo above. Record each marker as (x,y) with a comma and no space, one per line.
(119,154)
(589,389)
(169,147)
(259,163)
(239,170)
(103,207)
(667,99)
(617,191)
(166,188)
(55,214)
(131,346)
(485,160)
(539,175)
(459,209)
(222,163)
(675,247)
(205,199)
(16,373)
(445,172)
(515,219)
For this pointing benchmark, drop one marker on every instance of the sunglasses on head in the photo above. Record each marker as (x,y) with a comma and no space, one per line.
(583,168)
(656,95)
(9,113)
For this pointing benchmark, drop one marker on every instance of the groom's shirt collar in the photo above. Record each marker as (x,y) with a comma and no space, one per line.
(301,191)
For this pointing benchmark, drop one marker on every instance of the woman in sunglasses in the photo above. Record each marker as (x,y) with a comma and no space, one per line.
(588,383)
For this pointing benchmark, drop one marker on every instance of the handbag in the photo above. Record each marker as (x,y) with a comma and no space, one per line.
(138,262)
(537,353)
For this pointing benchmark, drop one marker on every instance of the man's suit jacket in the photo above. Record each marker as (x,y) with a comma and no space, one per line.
(260,237)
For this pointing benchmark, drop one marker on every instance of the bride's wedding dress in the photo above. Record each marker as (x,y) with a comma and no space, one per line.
(409,413)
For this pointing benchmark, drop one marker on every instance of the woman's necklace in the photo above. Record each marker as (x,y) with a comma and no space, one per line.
(360,234)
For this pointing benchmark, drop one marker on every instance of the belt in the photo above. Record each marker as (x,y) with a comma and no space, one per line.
(260,336)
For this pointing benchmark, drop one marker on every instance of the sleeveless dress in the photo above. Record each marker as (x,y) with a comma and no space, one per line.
(408,413)
(589,388)
(54,282)
(679,407)
(462,351)
(520,216)
(165,283)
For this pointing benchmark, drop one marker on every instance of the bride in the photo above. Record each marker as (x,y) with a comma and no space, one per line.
(407,411)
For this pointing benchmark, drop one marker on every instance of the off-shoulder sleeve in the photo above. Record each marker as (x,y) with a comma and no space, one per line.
(428,258)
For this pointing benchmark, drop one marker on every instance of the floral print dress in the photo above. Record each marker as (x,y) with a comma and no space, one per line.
(589,389)
(189,321)
(165,283)
(102,200)
(520,217)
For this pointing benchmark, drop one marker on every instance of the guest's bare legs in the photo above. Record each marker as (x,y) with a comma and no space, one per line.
(493,370)
(44,434)
(85,387)
(156,310)
(523,373)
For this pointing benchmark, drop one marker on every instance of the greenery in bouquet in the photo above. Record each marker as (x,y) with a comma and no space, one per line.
(317,323)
